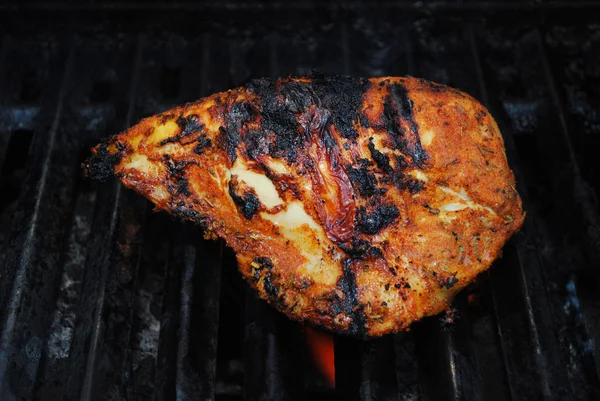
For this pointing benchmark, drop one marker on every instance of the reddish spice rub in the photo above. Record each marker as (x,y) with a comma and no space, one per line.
(358,205)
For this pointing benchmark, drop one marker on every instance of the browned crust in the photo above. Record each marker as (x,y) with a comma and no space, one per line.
(374,162)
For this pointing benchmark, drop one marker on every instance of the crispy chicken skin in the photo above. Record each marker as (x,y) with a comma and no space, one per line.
(358,205)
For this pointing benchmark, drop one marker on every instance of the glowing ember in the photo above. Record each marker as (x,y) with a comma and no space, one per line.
(320,346)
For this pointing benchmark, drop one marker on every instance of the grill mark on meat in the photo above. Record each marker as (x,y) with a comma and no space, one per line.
(405,181)
(279,116)
(164,117)
(299,96)
(362,249)
(189,125)
(342,96)
(177,175)
(264,264)
(203,143)
(183,186)
(101,164)
(258,264)
(382,161)
(299,127)
(373,222)
(401,163)
(270,289)
(363,181)
(239,113)
(397,114)
(248,203)
(351,304)
(185,213)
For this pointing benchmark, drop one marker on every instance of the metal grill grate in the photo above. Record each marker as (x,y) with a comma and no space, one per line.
(101,298)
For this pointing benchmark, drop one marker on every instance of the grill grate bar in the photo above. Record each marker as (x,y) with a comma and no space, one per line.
(97,324)
(587,215)
(534,274)
(365,370)
(56,353)
(58,344)
(23,250)
(272,344)
(196,354)
(163,379)
(407,367)
(272,354)
(184,386)
(90,346)
(441,54)
(518,364)
(4,137)
(579,362)
(487,288)
(200,283)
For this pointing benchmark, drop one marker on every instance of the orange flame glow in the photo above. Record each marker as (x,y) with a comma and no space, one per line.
(320,346)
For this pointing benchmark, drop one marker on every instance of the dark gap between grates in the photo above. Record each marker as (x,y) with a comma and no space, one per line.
(552,312)
(12,170)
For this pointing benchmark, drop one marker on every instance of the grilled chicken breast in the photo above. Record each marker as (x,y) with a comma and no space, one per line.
(358,205)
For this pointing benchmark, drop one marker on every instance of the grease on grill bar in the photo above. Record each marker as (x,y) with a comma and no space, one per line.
(102,298)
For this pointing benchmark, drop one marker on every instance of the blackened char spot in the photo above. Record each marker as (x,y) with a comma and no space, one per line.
(177,174)
(382,161)
(175,167)
(328,141)
(405,181)
(203,143)
(365,162)
(265,263)
(401,163)
(336,308)
(342,95)
(279,116)
(480,115)
(248,203)
(183,186)
(398,107)
(363,181)
(270,289)
(298,96)
(189,125)
(380,217)
(434,86)
(362,249)
(101,164)
(398,103)
(352,306)
(449,282)
(257,143)
(258,265)
(189,214)
(164,117)
(235,119)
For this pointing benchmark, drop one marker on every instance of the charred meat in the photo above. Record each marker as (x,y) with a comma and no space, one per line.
(358,205)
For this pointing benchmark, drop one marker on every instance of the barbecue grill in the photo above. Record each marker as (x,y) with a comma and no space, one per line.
(101,298)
